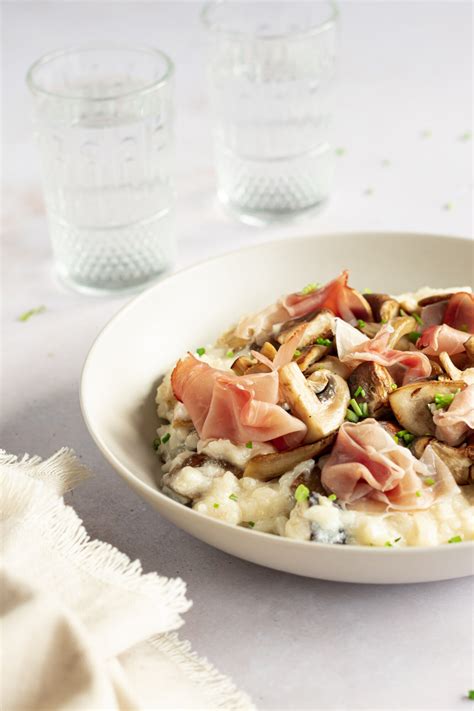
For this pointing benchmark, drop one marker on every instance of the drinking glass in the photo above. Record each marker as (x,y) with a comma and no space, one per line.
(104,123)
(271,68)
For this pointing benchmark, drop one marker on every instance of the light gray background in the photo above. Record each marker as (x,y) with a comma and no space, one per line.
(405,96)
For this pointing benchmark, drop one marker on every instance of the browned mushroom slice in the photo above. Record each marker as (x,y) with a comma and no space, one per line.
(311,355)
(373,383)
(419,445)
(384,307)
(268,466)
(310,479)
(320,326)
(185,424)
(410,403)
(434,299)
(268,350)
(333,364)
(369,328)
(242,364)
(320,402)
(402,326)
(459,460)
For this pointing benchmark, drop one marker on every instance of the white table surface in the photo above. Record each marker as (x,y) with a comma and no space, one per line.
(405,96)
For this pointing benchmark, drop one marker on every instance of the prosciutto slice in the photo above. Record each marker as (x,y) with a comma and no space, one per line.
(240,408)
(460,312)
(436,339)
(343,301)
(404,366)
(366,464)
(433,314)
(453,424)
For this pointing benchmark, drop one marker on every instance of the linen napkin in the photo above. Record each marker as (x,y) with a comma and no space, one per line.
(82,626)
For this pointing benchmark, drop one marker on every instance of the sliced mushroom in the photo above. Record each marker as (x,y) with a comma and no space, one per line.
(268,466)
(401,325)
(376,384)
(455,373)
(320,326)
(434,299)
(333,364)
(419,445)
(268,350)
(459,460)
(370,328)
(384,307)
(311,355)
(320,402)
(242,364)
(310,479)
(410,403)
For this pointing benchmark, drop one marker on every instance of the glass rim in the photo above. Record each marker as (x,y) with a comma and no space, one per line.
(35,88)
(315,29)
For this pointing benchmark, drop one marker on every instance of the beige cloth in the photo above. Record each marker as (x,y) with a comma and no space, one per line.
(82,626)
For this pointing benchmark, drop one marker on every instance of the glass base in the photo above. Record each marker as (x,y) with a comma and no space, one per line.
(111,290)
(260,218)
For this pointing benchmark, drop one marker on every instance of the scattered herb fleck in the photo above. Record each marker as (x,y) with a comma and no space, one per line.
(470,694)
(249,445)
(32,312)
(442,401)
(233,497)
(455,539)
(429,481)
(301,493)
(418,493)
(309,288)
(356,407)
(332,497)
(165,438)
(418,319)
(397,539)
(394,386)
(414,336)
(216,506)
(230,354)
(360,391)
(407,437)
(466,136)
(367,291)
(340,151)
(323,341)
(388,544)
(200,351)
(156,443)
(251,524)
(297,353)
(361,323)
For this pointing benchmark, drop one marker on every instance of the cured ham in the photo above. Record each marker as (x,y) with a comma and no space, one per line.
(460,312)
(404,366)
(366,464)
(437,339)
(238,408)
(455,423)
(433,314)
(342,300)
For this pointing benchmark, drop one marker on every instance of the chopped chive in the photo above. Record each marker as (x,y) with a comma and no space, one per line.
(332,497)
(216,506)
(301,493)
(340,151)
(429,481)
(233,497)
(165,438)
(442,401)
(403,312)
(297,353)
(418,319)
(388,544)
(229,354)
(397,539)
(156,443)
(32,312)
(396,439)
(365,409)
(356,407)
(360,391)
(361,323)
(414,336)
(418,493)
(367,291)
(470,694)
(351,416)
(394,386)
(383,320)
(251,524)
(249,445)
(455,539)
(309,288)
(200,351)
(323,341)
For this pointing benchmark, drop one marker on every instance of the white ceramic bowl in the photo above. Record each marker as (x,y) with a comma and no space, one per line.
(193,307)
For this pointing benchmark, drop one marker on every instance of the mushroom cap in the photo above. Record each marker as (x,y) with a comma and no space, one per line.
(410,403)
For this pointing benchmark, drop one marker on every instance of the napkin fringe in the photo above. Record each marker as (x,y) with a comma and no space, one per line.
(223,694)
(62,471)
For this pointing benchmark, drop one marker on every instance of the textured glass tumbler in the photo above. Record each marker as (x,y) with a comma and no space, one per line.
(271,68)
(103,123)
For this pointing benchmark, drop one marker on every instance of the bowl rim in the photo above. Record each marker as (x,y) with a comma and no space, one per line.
(149,491)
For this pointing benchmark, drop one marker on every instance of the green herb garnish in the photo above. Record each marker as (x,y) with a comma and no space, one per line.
(394,386)
(351,416)
(340,151)
(233,497)
(356,407)
(383,320)
(442,401)
(200,351)
(332,497)
(418,493)
(414,336)
(407,437)
(397,539)
(388,544)
(429,481)
(156,443)
(216,506)
(470,694)
(301,493)
(229,354)
(249,445)
(367,291)
(297,353)
(418,319)
(323,341)
(360,391)
(455,539)
(251,524)
(309,288)
(165,438)
(466,136)
(361,323)
(32,312)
